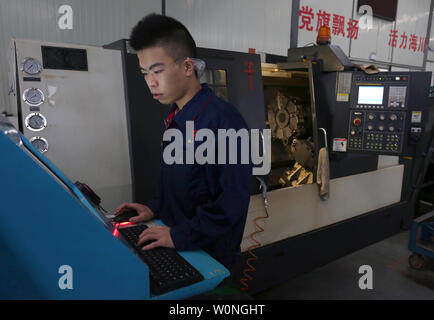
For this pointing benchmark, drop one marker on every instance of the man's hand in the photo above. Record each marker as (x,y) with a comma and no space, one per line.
(143,212)
(160,234)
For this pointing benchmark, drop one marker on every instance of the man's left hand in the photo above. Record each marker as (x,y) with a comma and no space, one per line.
(160,234)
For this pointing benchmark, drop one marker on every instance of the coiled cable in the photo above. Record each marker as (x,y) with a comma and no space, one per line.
(256,244)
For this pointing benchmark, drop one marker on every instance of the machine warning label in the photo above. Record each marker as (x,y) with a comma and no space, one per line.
(343,86)
(340,144)
(416,116)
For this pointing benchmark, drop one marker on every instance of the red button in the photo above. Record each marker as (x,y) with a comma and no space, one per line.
(357,122)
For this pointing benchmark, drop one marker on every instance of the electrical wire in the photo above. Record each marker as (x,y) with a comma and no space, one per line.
(257,244)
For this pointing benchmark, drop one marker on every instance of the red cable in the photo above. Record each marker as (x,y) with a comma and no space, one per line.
(253,257)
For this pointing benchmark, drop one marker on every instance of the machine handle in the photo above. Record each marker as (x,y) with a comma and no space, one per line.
(263,142)
(325,137)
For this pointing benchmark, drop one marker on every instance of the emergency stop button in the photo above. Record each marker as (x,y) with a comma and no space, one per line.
(357,122)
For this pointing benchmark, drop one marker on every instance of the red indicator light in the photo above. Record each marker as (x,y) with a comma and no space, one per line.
(117,225)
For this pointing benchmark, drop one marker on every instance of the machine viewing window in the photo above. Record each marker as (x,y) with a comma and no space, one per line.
(370,95)
(289,116)
(216,79)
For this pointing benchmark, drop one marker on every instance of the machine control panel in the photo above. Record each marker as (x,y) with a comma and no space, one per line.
(378,110)
(373,130)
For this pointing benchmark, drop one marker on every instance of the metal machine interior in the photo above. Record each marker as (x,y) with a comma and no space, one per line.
(289,116)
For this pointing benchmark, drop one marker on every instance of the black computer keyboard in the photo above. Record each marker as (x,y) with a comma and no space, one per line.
(167,269)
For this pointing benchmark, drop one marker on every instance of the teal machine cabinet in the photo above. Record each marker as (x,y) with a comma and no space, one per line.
(50,235)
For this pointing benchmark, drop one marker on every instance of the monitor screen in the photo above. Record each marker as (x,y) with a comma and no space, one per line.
(370,95)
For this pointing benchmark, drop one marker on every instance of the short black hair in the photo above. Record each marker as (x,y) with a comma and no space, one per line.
(158,30)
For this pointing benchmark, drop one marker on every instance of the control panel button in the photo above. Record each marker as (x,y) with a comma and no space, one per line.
(357,122)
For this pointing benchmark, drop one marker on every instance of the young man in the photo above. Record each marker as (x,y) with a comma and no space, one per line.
(204,206)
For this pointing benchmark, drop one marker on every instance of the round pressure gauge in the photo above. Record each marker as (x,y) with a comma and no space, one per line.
(40,143)
(31,66)
(35,122)
(33,97)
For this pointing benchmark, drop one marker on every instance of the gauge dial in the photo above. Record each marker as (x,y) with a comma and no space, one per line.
(33,97)
(31,66)
(40,143)
(35,122)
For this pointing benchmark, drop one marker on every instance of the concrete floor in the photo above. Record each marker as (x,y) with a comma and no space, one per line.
(392,277)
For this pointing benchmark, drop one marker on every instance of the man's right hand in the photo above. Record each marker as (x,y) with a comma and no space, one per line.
(143,212)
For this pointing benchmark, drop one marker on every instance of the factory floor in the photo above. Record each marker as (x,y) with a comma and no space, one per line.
(392,277)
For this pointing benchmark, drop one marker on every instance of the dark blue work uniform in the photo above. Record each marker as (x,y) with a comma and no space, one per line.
(205,205)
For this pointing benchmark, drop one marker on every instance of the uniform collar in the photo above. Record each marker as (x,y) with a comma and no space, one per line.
(192,107)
